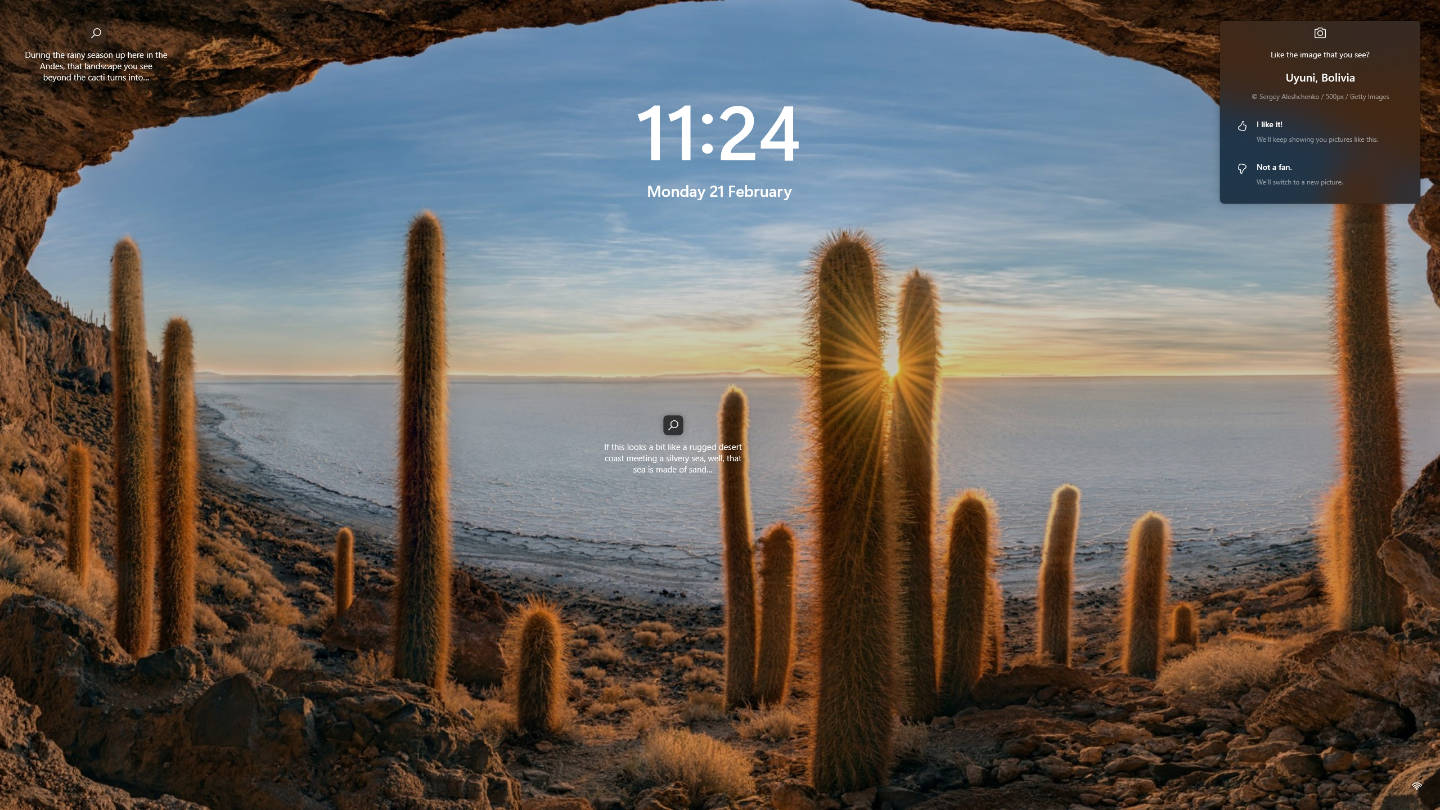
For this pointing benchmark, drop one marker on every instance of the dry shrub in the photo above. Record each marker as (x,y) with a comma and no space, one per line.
(596,674)
(207,623)
(307,570)
(16,513)
(701,676)
(264,648)
(29,485)
(646,638)
(604,655)
(223,664)
(29,573)
(9,589)
(276,609)
(646,720)
(775,725)
(714,635)
(13,450)
(1225,667)
(658,628)
(670,637)
(491,717)
(648,691)
(611,694)
(705,765)
(682,662)
(703,706)
(911,744)
(591,632)
(372,666)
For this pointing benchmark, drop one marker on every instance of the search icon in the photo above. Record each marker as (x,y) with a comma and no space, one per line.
(95,33)
(673,425)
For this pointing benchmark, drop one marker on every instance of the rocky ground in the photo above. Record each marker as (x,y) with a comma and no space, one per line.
(280,706)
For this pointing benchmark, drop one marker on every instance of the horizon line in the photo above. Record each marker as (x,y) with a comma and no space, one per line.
(466,376)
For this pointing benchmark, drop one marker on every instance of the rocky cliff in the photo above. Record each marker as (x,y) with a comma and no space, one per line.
(227,53)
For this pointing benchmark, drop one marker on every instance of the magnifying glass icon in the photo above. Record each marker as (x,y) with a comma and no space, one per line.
(95,33)
(673,425)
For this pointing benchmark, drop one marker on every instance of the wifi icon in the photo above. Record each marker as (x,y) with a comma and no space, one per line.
(1416,785)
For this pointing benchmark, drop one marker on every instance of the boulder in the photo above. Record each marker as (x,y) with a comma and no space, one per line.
(1412,554)
(1020,684)
(34,773)
(477,626)
(303,740)
(1367,683)
(1401,793)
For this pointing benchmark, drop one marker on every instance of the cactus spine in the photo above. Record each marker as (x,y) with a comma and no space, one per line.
(1056,575)
(1370,450)
(853,724)
(1145,585)
(77,513)
(344,570)
(1182,625)
(134,461)
(912,444)
(422,591)
(968,597)
(1330,523)
(178,462)
(736,535)
(995,618)
(777,615)
(539,681)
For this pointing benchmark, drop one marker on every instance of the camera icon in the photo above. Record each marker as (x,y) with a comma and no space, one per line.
(673,425)
(1320,32)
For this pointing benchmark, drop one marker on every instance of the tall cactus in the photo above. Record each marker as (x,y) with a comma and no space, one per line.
(853,725)
(1145,586)
(178,462)
(968,621)
(539,679)
(344,570)
(912,445)
(134,459)
(736,536)
(995,636)
(1056,577)
(1372,478)
(77,513)
(422,591)
(777,615)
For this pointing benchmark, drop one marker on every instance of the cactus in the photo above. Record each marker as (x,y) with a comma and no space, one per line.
(77,513)
(1329,523)
(539,679)
(853,725)
(1055,589)
(422,591)
(344,570)
(912,446)
(177,463)
(777,615)
(134,461)
(1145,581)
(995,636)
(968,596)
(1370,448)
(1182,625)
(736,534)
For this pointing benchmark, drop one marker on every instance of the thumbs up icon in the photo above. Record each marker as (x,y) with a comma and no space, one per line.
(1242,126)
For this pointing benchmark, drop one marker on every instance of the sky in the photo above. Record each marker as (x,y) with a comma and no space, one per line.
(1065,201)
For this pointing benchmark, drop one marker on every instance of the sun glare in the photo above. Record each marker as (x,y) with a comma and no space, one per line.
(892,358)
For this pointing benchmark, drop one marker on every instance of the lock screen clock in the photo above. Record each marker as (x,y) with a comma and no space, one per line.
(780,136)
